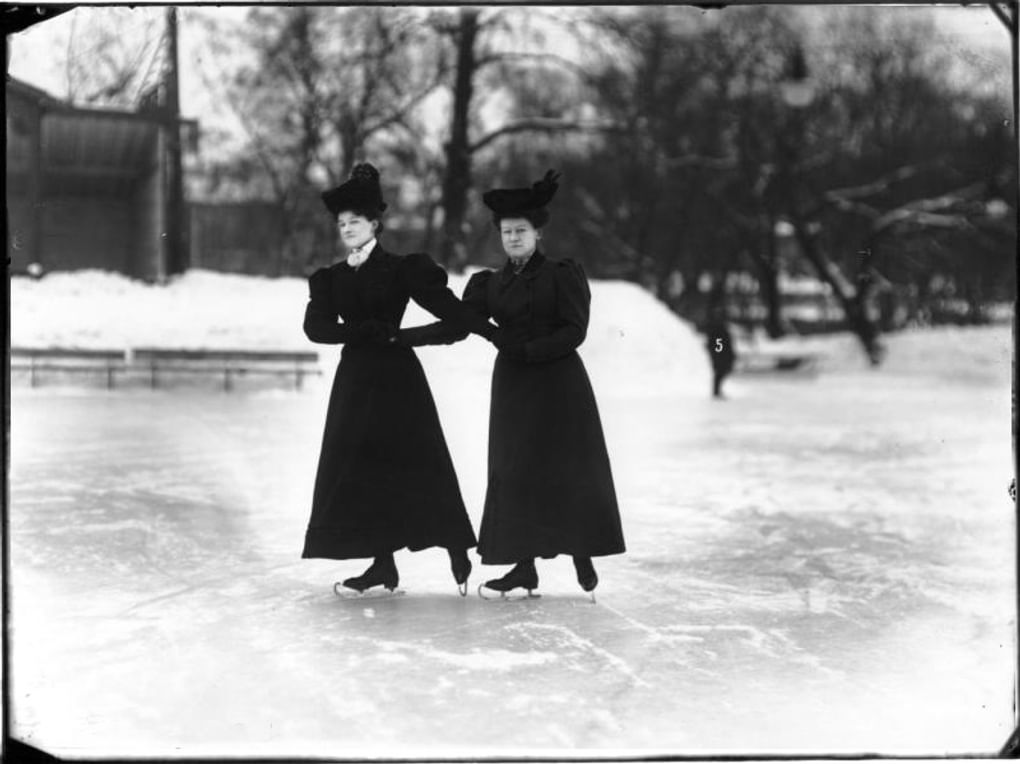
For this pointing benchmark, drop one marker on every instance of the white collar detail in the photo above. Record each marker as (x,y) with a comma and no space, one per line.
(359,255)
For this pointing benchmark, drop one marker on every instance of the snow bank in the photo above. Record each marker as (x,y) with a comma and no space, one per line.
(634,344)
(201,309)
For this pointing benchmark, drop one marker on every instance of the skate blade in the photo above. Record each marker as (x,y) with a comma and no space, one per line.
(342,592)
(516,597)
(506,596)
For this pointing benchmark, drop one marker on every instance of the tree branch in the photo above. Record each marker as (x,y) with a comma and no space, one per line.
(848,205)
(542,124)
(398,114)
(926,211)
(875,186)
(495,58)
(262,152)
(930,219)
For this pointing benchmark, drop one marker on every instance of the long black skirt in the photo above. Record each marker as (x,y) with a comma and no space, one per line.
(385,479)
(550,488)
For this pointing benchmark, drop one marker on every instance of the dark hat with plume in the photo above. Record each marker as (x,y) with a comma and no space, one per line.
(361,193)
(511,202)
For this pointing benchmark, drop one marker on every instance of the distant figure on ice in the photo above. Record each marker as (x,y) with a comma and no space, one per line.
(719,343)
(385,479)
(550,487)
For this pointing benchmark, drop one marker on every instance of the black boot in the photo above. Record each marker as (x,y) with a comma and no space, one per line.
(586,575)
(382,572)
(460,564)
(522,575)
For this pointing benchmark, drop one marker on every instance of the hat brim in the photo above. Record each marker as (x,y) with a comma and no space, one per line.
(517,201)
(354,195)
(510,201)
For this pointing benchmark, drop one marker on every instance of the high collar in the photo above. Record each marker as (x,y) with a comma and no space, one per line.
(363,254)
(369,246)
(530,268)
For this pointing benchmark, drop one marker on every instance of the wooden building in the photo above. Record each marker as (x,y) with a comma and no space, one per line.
(89,188)
(238,237)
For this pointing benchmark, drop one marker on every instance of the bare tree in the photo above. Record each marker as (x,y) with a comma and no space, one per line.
(491,56)
(112,55)
(321,86)
(900,154)
(716,154)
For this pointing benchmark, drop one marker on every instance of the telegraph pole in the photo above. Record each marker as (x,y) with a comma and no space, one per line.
(174,241)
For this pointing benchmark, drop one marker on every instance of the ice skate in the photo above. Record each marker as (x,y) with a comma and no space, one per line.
(347,593)
(382,572)
(586,575)
(522,576)
(460,564)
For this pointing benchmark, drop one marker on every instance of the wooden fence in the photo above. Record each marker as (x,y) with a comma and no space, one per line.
(154,364)
(242,237)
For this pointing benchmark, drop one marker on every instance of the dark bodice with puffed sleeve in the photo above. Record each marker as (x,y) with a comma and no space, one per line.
(546,306)
(379,290)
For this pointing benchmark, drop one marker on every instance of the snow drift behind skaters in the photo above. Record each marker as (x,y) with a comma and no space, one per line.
(635,345)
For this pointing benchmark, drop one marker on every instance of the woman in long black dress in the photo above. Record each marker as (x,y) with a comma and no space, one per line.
(385,479)
(550,487)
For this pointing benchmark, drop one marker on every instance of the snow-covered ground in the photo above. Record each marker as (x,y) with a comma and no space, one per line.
(818,564)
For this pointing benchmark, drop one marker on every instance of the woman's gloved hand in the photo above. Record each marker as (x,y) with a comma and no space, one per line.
(510,344)
(437,333)
(377,332)
(489,332)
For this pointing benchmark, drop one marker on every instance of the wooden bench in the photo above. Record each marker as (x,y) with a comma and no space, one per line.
(230,363)
(78,360)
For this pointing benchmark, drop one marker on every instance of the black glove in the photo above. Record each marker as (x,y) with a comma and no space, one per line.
(510,344)
(408,338)
(438,333)
(376,332)
(489,331)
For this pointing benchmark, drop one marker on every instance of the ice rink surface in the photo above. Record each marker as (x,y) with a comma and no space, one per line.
(816,565)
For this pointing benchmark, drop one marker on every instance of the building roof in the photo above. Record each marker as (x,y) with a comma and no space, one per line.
(52,103)
(85,152)
(90,150)
(31,92)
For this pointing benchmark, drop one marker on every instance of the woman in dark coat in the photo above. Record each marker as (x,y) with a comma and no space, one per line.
(385,479)
(550,487)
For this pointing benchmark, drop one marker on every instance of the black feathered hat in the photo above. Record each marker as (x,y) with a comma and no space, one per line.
(361,193)
(522,202)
